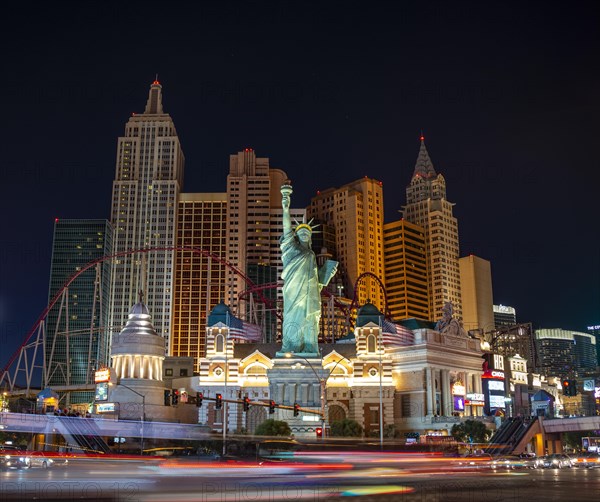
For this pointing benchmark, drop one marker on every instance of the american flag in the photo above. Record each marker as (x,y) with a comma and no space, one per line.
(396,335)
(244,332)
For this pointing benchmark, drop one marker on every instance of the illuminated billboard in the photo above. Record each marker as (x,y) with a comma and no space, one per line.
(459,403)
(494,390)
(102,391)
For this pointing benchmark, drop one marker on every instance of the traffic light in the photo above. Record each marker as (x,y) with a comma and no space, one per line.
(246,403)
(319,432)
(175,396)
(199,397)
(296,409)
(218,401)
(167,398)
(271,407)
(569,387)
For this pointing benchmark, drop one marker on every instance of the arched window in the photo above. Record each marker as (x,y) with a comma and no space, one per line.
(256,370)
(371,343)
(219,343)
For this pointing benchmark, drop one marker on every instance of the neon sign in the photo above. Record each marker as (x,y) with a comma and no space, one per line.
(102,375)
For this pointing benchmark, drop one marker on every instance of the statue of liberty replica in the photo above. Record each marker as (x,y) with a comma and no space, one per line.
(302,284)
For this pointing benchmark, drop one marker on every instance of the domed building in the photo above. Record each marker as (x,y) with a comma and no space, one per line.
(137,355)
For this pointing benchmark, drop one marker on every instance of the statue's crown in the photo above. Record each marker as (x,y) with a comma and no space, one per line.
(304,225)
(307,226)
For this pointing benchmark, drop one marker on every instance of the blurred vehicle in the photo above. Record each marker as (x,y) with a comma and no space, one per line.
(586,460)
(554,461)
(528,460)
(171,451)
(12,457)
(479,461)
(509,462)
(45,459)
(209,456)
(277,450)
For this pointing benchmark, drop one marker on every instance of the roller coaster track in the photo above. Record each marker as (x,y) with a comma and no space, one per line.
(26,355)
(354,305)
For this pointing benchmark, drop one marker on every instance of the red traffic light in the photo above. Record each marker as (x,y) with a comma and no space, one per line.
(319,432)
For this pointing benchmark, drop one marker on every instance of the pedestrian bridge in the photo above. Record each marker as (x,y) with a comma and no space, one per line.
(558,425)
(48,424)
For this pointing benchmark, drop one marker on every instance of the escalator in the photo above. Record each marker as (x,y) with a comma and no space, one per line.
(82,434)
(506,439)
(501,435)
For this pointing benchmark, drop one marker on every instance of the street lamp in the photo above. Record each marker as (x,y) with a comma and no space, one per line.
(143,412)
(380,388)
(225,340)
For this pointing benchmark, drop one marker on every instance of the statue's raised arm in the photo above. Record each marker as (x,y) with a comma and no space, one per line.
(286,200)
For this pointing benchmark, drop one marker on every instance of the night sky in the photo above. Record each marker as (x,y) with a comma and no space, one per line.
(507,96)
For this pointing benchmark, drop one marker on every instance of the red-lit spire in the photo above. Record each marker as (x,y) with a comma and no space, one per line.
(154,103)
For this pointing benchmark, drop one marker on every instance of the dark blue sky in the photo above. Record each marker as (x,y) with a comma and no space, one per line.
(507,97)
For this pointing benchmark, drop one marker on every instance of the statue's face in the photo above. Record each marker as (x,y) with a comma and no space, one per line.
(304,235)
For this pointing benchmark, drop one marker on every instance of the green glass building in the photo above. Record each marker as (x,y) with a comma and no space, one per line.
(79,328)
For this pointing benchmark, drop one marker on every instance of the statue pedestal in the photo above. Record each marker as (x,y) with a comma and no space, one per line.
(302,381)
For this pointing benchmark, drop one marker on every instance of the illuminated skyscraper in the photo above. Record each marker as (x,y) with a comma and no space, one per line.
(504,316)
(149,177)
(405,254)
(355,212)
(476,293)
(564,353)
(200,281)
(427,206)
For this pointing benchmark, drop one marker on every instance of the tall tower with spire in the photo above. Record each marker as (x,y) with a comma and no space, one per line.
(149,177)
(427,206)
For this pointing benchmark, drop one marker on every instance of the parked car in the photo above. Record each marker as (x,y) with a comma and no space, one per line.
(554,461)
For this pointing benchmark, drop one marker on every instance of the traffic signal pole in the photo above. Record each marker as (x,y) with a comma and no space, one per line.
(247,403)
